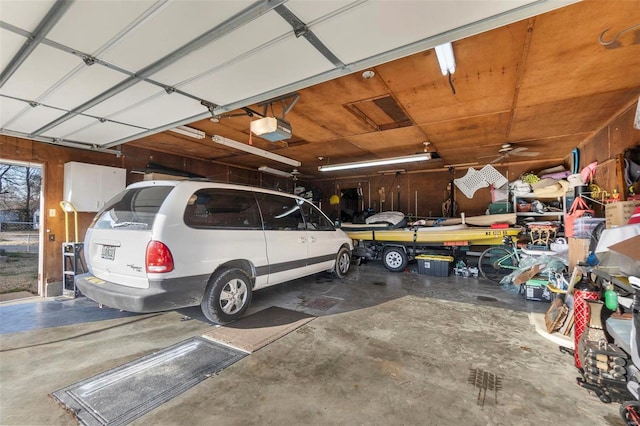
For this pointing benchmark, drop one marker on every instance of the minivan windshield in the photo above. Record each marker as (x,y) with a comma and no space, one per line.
(133,209)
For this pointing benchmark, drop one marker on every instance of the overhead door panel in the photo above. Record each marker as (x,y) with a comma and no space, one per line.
(155,39)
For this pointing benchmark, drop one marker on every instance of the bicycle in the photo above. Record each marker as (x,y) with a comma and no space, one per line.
(499,261)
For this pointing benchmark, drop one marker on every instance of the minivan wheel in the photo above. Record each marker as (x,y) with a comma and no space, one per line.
(227,296)
(343,263)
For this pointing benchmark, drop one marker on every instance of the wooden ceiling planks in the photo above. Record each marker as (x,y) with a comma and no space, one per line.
(486,71)
(480,130)
(567,61)
(574,115)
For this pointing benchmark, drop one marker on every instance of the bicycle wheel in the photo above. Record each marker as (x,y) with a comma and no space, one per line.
(496,263)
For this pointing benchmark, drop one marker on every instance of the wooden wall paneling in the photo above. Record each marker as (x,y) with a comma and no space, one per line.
(622,133)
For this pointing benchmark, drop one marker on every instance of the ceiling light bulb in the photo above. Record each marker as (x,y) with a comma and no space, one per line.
(368,74)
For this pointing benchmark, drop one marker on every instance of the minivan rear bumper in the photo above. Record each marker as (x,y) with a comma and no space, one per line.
(162,295)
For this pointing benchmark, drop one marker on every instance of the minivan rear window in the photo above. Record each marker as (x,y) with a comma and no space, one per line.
(133,209)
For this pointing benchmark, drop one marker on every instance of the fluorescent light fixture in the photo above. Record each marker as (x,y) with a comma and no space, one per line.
(255,151)
(372,163)
(189,131)
(273,171)
(447,61)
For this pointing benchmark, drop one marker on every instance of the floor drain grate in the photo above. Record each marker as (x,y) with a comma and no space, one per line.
(485,381)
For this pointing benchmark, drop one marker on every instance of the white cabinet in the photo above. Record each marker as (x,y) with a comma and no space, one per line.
(89,186)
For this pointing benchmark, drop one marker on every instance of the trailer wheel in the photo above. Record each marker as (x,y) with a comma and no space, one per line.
(394,259)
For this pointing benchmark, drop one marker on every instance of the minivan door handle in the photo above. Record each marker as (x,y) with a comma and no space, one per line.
(302,240)
(312,239)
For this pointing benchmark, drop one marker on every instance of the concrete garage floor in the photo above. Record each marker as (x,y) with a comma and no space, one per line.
(385,349)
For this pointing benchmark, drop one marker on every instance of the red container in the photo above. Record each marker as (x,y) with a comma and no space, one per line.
(581,313)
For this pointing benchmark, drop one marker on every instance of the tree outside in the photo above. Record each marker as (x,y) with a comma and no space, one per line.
(20,188)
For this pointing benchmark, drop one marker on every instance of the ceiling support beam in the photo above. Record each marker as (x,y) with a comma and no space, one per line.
(62,142)
(300,29)
(521,67)
(247,15)
(56,12)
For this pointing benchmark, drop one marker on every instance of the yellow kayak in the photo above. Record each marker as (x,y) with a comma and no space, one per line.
(455,235)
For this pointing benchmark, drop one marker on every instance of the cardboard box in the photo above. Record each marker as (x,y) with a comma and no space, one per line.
(437,266)
(618,214)
(618,250)
(578,251)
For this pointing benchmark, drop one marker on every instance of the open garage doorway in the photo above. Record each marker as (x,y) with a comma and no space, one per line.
(21,261)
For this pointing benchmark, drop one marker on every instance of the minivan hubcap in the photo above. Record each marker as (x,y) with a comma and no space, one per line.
(233,296)
(344,263)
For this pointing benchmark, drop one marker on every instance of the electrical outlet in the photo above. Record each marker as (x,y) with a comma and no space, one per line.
(52,237)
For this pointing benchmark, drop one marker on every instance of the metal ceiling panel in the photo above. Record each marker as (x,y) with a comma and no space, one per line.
(101,133)
(24,14)
(157,36)
(10,43)
(41,70)
(70,126)
(290,60)
(309,11)
(9,109)
(33,118)
(123,100)
(89,25)
(90,81)
(225,50)
(159,110)
(383,26)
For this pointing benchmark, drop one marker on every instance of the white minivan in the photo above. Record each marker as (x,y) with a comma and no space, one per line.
(164,245)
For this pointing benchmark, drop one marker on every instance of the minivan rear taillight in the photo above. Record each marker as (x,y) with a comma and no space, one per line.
(158,257)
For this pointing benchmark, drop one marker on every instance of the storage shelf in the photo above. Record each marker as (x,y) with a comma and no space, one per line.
(549,214)
(534,197)
(540,214)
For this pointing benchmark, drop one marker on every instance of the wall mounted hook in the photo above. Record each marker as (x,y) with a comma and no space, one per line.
(614,42)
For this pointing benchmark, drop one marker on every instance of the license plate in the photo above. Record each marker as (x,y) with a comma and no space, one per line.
(108,252)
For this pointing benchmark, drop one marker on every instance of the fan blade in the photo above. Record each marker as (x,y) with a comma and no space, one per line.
(498,159)
(518,149)
(525,154)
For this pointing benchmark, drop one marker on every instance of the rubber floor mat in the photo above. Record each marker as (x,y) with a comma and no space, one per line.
(121,395)
(260,329)
(54,313)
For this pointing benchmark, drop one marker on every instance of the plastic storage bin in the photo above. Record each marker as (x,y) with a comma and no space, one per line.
(434,265)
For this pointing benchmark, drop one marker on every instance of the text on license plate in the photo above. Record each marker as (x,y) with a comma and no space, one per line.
(108,252)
